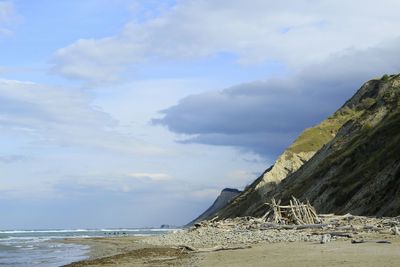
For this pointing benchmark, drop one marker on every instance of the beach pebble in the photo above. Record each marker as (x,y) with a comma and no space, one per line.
(211,236)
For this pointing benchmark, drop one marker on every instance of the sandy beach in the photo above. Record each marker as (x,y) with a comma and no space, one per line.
(129,251)
(137,251)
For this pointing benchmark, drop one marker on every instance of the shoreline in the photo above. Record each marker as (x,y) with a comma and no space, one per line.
(145,251)
(127,251)
(104,246)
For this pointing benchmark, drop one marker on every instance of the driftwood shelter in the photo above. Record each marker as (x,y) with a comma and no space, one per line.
(295,213)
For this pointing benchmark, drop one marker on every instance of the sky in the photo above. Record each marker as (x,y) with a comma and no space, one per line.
(130,113)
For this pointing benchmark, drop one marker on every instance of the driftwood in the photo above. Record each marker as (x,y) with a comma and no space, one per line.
(326,215)
(355,241)
(372,228)
(267,226)
(370,241)
(339,234)
(301,216)
(213,249)
(396,230)
(312,226)
(219,248)
(295,213)
(214,219)
(345,228)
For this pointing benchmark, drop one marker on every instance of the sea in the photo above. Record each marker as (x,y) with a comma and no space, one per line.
(34,248)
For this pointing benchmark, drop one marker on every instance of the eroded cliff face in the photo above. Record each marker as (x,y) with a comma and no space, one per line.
(291,160)
(342,163)
(304,148)
(359,170)
(286,164)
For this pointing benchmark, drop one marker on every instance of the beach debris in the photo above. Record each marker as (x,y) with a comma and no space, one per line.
(219,248)
(294,222)
(383,242)
(212,249)
(241,231)
(396,230)
(325,238)
(341,234)
(196,225)
(186,247)
(295,212)
(360,241)
(297,215)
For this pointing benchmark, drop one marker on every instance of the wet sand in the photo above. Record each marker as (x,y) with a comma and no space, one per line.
(130,251)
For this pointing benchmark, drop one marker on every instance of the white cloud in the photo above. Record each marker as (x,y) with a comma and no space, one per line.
(7,16)
(11,158)
(155,177)
(295,32)
(6,11)
(114,181)
(6,70)
(60,116)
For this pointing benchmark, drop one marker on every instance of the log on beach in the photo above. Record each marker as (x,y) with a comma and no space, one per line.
(361,241)
(216,248)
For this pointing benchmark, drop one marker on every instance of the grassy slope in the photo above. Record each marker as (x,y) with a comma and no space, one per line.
(312,139)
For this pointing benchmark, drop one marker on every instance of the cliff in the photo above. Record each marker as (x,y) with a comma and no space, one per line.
(347,163)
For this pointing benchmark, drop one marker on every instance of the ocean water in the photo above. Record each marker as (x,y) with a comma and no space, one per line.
(34,248)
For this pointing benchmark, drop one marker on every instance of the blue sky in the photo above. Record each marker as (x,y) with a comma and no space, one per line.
(137,113)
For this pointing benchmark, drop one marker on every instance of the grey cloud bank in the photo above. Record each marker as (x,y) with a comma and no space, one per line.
(265,116)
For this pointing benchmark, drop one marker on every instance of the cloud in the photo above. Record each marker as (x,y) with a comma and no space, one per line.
(296,33)
(139,183)
(12,158)
(265,116)
(155,177)
(49,115)
(7,16)
(7,70)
